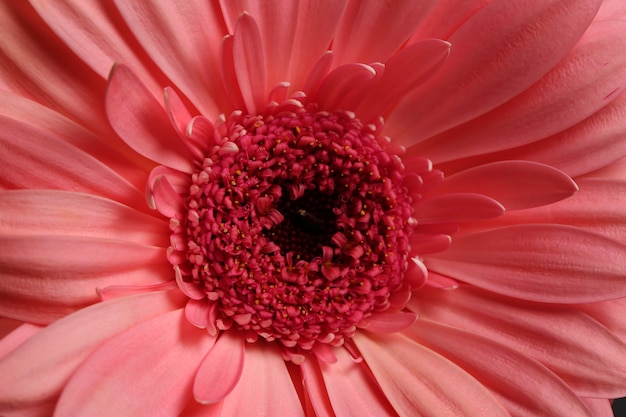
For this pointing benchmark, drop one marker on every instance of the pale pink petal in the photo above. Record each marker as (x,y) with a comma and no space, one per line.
(52,212)
(445,17)
(315,28)
(228,74)
(388,322)
(343,84)
(35,157)
(530,41)
(592,144)
(514,184)
(108,149)
(525,387)
(146,370)
(609,313)
(599,407)
(456,207)
(182,38)
(15,336)
(401,76)
(277,21)
(586,80)
(266,380)
(420,382)
(351,389)
(423,243)
(597,207)
(54,353)
(63,272)
(167,201)
(221,369)
(142,122)
(95,31)
(249,63)
(580,350)
(548,263)
(36,65)
(364,33)
(316,394)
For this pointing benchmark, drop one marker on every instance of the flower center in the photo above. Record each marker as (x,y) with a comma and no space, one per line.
(298,230)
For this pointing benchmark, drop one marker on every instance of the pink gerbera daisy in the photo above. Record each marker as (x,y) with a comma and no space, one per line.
(312,208)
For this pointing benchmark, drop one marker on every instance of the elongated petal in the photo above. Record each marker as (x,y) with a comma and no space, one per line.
(264,379)
(351,389)
(514,184)
(587,79)
(549,263)
(37,65)
(220,370)
(420,382)
(364,34)
(530,42)
(404,71)
(96,33)
(34,157)
(249,63)
(579,349)
(141,121)
(146,370)
(64,272)
(182,38)
(52,212)
(36,371)
(457,207)
(522,384)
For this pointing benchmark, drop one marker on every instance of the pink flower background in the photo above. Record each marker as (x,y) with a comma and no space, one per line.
(508,116)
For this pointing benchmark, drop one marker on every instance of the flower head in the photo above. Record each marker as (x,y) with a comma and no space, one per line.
(312,208)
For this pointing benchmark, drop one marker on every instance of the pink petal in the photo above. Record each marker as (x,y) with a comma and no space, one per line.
(569,151)
(141,121)
(146,370)
(401,76)
(423,244)
(104,147)
(183,40)
(37,65)
(548,263)
(277,22)
(249,63)
(315,28)
(220,370)
(49,212)
(444,18)
(33,156)
(418,381)
(457,207)
(59,274)
(95,33)
(599,407)
(521,383)
(388,322)
(344,84)
(371,20)
(586,80)
(610,314)
(54,353)
(530,41)
(581,351)
(266,380)
(347,385)
(167,201)
(597,207)
(13,337)
(514,184)
(315,390)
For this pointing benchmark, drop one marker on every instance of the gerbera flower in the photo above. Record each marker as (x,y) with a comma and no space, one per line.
(312,208)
